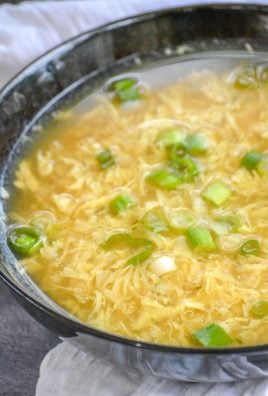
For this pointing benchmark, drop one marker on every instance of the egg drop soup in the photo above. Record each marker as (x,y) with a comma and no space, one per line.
(145,214)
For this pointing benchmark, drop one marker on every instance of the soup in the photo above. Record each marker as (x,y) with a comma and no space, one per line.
(144,212)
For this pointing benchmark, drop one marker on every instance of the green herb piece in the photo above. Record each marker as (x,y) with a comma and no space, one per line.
(186,168)
(164,178)
(45,222)
(196,144)
(260,309)
(121,240)
(155,220)
(181,221)
(121,202)
(125,90)
(105,159)
(200,239)
(128,95)
(217,193)
(246,78)
(250,248)
(251,160)
(142,256)
(211,336)
(171,137)
(122,84)
(233,221)
(25,240)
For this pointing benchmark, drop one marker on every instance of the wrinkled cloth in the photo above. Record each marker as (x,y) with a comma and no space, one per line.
(27,31)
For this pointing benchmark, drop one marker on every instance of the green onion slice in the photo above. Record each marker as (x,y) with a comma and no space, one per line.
(186,168)
(121,240)
(164,178)
(232,221)
(105,159)
(125,90)
(171,137)
(122,84)
(246,78)
(196,144)
(155,220)
(250,248)
(260,309)
(121,202)
(200,239)
(25,240)
(217,193)
(211,336)
(44,221)
(181,220)
(251,160)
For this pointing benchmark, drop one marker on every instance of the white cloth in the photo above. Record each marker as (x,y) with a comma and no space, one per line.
(26,31)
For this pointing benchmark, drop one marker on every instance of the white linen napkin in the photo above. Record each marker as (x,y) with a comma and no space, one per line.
(28,30)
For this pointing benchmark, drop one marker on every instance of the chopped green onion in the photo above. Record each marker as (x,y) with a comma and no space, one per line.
(122,84)
(233,221)
(246,78)
(105,159)
(25,240)
(180,221)
(217,193)
(141,257)
(121,240)
(121,202)
(250,248)
(211,336)
(260,309)
(125,90)
(251,160)
(164,178)
(186,168)
(128,95)
(196,144)
(200,239)
(45,222)
(171,137)
(155,220)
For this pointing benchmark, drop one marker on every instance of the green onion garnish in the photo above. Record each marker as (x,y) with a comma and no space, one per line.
(196,144)
(121,202)
(251,160)
(25,240)
(122,84)
(233,221)
(260,309)
(164,178)
(180,221)
(121,240)
(246,78)
(125,90)
(250,248)
(217,193)
(45,222)
(105,159)
(211,336)
(155,220)
(186,168)
(200,239)
(171,137)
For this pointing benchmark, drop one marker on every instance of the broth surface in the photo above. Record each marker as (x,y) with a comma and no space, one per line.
(192,289)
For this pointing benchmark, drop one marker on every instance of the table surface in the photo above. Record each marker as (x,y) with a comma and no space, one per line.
(23,344)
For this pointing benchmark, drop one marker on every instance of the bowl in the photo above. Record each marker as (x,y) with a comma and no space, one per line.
(74,69)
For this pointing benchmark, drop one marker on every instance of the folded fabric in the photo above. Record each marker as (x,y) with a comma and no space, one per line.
(27,31)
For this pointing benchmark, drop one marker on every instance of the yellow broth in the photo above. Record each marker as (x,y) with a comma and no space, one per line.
(62,177)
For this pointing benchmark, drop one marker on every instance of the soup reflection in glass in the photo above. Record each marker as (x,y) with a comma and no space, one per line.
(145,214)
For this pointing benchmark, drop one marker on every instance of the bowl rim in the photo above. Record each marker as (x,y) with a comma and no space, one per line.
(60,49)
